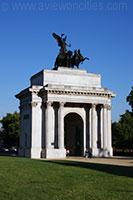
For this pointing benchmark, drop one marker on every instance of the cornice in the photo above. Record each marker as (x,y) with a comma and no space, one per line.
(79,93)
(28,91)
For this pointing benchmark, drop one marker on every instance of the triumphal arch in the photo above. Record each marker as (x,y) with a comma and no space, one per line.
(65,108)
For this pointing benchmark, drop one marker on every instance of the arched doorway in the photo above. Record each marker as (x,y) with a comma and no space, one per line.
(73,130)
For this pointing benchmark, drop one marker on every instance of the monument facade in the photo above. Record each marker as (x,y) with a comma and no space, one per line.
(65,109)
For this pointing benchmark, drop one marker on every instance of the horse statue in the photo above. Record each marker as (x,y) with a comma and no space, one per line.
(67,58)
(77,59)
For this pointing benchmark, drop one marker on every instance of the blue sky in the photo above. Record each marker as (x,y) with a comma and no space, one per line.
(102,29)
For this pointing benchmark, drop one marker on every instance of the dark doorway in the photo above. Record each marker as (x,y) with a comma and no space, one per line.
(73,128)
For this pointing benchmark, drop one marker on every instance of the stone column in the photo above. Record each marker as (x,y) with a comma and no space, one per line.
(36,129)
(94,130)
(101,125)
(43,107)
(109,139)
(84,134)
(90,128)
(61,126)
(105,128)
(49,127)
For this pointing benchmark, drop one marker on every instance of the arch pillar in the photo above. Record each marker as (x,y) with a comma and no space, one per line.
(94,130)
(101,125)
(49,137)
(109,139)
(84,135)
(90,128)
(107,136)
(61,126)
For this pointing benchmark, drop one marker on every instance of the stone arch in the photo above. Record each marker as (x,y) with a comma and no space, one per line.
(73,133)
(78,111)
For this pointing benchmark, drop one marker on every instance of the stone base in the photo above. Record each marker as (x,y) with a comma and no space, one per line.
(59,153)
(95,152)
(35,152)
(110,152)
(102,152)
(53,153)
(105,152)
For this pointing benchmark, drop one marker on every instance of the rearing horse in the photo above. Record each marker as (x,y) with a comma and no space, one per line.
(77,58)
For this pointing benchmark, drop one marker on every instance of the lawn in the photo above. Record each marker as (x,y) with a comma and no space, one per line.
(26,179)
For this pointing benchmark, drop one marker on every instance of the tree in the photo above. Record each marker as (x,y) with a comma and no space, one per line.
(1,140)
(10,132)
(123,129)
(130,99)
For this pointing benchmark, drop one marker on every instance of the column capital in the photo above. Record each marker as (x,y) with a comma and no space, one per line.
(107,106)
(93,105)
(101,106)
(61,104)
(49,103)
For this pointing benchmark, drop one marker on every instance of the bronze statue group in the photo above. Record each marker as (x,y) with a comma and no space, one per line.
(67,58)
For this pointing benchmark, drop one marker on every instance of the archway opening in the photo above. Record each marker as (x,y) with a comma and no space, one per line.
(73,129)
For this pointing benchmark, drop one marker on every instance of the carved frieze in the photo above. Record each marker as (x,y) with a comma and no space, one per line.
(84,93)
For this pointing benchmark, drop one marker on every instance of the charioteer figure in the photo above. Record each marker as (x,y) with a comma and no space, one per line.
(67,58)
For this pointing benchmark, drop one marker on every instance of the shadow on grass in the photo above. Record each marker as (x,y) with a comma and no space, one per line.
(111,169)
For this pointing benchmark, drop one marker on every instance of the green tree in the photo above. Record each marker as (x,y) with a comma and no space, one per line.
(123,129)
(130,99)
(10,126)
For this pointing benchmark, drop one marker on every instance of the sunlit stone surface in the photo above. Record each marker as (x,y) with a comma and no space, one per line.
(65,109)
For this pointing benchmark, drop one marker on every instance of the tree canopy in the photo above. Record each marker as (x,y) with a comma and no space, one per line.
(130,99)
(123,129)
(10,129)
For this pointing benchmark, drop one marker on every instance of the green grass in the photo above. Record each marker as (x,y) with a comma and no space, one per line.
(26,179)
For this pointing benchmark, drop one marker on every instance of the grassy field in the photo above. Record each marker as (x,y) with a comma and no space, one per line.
(25,179)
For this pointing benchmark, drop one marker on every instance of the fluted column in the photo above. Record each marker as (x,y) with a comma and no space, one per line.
(105,126)
(36,129)
(43,107)
(61,126)
(94,129)
(90,128)
(84,134)
(109,139)
(101,125)
(48,125)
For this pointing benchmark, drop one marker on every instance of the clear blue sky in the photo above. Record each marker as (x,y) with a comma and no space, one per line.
(102,29)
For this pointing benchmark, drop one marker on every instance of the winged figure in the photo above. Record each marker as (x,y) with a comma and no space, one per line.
(61,40)
(67,58)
